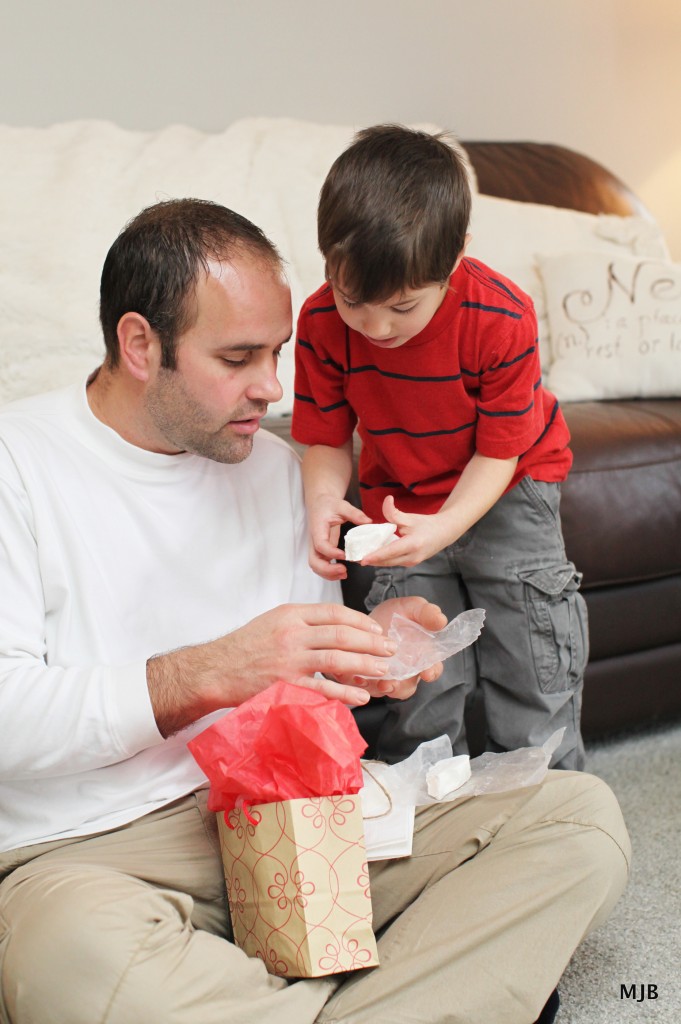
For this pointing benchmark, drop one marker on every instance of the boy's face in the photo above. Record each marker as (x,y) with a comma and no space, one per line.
(394,322)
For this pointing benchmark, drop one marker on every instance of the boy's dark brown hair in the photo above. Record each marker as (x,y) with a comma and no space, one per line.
(393,212)
(154,265)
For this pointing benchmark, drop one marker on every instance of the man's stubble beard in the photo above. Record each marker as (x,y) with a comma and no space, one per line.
(181,421)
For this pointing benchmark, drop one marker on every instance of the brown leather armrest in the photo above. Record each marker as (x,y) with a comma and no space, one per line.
(534,172)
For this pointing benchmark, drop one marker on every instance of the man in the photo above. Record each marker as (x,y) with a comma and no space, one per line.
(153,557)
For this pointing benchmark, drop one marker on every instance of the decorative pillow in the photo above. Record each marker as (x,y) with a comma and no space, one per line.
(615,326)
(508,236)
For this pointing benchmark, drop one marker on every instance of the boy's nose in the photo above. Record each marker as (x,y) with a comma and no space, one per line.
(377,327)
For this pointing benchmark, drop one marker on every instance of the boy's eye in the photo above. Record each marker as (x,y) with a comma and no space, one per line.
(394,309)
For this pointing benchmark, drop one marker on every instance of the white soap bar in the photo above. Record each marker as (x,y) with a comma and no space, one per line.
(362,540)
(448,775)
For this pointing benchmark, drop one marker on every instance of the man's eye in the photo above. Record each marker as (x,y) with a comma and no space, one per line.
(234,362)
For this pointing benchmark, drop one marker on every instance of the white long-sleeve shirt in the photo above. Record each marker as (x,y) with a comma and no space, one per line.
(110,554)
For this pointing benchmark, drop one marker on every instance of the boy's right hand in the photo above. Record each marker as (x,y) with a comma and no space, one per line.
(326,514)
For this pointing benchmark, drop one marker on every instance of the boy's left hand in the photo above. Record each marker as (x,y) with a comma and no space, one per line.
(419,537)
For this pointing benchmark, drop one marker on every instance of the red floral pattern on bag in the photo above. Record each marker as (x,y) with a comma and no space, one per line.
(281,890)
(306,911)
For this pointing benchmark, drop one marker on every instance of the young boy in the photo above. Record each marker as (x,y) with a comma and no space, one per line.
(434,358)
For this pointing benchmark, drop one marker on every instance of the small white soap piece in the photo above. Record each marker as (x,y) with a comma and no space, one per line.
(362,540)
(447,776)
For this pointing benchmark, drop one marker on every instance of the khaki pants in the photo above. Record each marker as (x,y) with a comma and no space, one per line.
(130,927)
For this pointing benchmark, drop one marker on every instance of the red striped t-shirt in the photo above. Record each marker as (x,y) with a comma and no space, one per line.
(469,382)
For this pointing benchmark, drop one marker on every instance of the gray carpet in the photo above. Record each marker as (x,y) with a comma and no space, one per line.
(641,942)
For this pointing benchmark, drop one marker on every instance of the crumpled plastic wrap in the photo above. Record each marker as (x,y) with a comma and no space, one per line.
(405,785)
(514,769)
(419,648)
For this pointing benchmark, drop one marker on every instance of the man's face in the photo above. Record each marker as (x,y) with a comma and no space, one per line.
(211,404)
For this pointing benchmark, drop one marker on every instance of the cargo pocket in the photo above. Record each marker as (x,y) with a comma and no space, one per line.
(382,588)
(557,624)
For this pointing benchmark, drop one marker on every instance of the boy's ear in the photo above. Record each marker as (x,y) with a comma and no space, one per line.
(462,253)
(138,344)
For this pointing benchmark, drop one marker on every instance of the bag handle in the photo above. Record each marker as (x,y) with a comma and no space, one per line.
(381,787)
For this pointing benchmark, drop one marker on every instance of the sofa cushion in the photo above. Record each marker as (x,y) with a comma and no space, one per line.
(621,500)
(511,237)
(634,617)
(615,326)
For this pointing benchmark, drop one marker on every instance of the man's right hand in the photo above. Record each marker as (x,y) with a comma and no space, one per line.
(290,643)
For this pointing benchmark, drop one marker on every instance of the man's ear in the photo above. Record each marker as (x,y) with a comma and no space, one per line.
(138,345)
(462,253)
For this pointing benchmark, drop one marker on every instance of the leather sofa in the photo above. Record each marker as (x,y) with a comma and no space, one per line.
(621,504)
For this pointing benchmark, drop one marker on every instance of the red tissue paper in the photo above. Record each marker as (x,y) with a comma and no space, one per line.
(285,743)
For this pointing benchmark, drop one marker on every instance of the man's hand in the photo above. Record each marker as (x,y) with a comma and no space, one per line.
(289,643)
(425,614)
(326,514)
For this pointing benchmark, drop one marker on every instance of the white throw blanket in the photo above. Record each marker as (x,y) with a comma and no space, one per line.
(67,191)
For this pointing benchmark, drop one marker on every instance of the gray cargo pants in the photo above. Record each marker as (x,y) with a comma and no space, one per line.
(530,658)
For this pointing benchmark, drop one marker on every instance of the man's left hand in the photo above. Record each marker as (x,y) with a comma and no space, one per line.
(427,615)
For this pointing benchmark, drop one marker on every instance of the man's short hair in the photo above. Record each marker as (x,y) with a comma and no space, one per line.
(154,265)
(393,212)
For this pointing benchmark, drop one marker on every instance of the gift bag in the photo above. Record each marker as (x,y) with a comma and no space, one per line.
(298,885)
(284,770)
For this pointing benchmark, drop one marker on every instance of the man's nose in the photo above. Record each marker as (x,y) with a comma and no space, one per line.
(266,387)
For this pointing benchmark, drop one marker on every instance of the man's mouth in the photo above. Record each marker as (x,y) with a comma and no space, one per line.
(248,424)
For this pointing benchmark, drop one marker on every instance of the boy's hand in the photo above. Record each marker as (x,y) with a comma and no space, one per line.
(419,610)
(326,515)
(419,537)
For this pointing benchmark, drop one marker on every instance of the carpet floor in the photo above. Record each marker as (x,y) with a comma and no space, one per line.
(640,944)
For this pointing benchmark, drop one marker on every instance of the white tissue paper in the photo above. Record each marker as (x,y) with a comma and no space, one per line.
(419,648)
(390,796)
(362,540)
(392,791)
(448,775)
